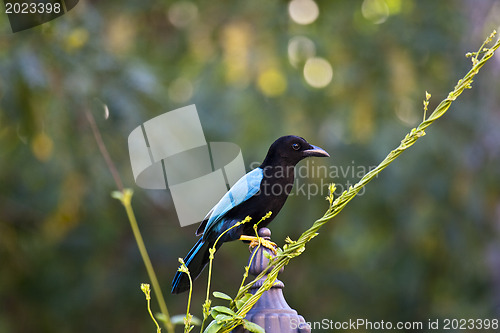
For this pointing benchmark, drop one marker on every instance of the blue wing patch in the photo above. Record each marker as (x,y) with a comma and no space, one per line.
(244,189)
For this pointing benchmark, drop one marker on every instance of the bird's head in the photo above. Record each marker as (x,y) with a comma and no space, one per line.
(290,149)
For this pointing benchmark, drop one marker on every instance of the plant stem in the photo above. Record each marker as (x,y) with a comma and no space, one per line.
(126,201)
(147,291)
(187,324)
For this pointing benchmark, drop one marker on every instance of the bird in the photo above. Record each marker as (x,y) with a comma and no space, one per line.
(262,190)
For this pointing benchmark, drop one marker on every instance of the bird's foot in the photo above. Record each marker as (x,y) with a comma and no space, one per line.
(256,241)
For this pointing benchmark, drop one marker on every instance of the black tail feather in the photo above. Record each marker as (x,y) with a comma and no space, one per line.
(196,260)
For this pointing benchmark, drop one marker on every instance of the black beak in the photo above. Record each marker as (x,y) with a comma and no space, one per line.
(315,151)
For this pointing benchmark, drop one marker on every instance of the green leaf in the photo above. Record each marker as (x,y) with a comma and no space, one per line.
(179,319)
(246,297)
(218,294)
(214,313)
(161,317)
(252,327)
(223,317)
(176,320)
(223,309)
(213,327)
(196,321)
(239,304)
(243,300)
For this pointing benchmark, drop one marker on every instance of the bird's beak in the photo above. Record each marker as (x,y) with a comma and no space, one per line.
(315,151)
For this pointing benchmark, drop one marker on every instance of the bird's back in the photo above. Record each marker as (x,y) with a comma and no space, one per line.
(275,187)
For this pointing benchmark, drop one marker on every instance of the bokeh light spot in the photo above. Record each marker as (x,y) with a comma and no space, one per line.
(300,49)
(318,72)
(303,11)
(76,39)
(42,146)
(271,82)
(236,43)
(182,13)
(375,11)
(120,34)
(394,6)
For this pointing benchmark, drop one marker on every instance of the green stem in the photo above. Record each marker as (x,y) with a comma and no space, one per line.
(147,291)
(206,305)
(125,197)
(187,324)
(212,250)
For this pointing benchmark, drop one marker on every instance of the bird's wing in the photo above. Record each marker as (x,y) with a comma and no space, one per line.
(246,187)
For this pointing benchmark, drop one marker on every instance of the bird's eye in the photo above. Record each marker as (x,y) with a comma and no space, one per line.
(295,146)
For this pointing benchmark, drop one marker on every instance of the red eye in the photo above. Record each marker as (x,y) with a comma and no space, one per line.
(295,146)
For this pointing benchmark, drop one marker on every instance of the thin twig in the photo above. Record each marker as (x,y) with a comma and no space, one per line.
(104,151)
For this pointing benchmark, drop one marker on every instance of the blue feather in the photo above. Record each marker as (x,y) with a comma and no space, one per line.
(199,253)
(246,187)
(193,253)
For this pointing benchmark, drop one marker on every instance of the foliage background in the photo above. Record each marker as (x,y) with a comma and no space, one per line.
(421,242)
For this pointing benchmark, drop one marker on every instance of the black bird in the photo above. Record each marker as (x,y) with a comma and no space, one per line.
(261,190)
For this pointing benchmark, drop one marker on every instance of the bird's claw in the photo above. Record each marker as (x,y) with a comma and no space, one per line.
(264,242)
(256,241)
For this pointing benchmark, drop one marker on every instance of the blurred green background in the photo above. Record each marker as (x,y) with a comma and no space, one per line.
(421,242)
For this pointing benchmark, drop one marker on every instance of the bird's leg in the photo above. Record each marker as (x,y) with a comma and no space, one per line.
(255,241)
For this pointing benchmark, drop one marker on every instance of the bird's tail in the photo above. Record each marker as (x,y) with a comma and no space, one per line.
(196,260)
